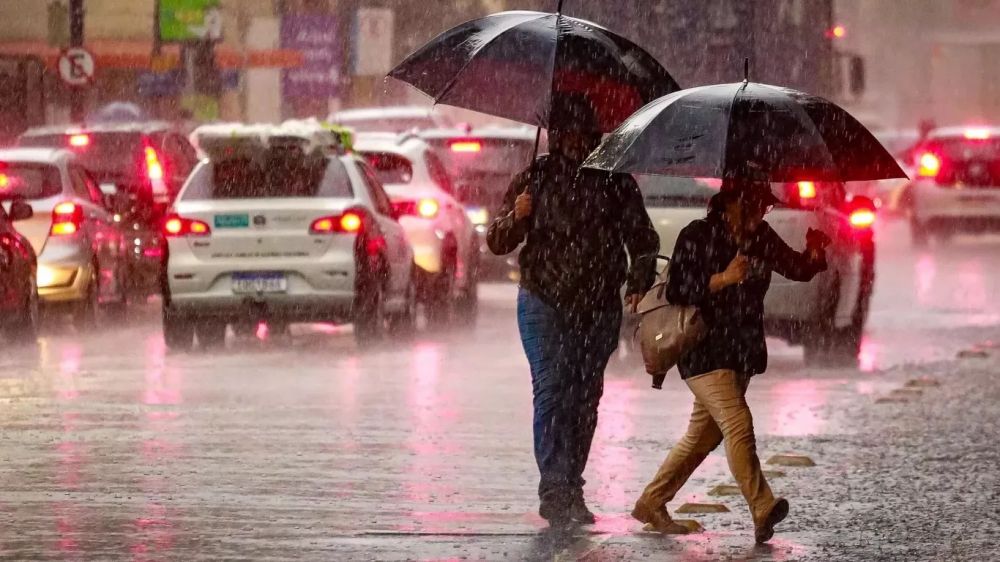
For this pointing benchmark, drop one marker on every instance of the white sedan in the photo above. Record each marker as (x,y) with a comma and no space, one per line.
(284,240)
(444,240)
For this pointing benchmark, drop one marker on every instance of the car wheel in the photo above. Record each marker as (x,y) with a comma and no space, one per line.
(118,311)
(919,234)
(85,312)
(178,331)
(828,346)
(211,333)
(404,322)
(245,328)
(441,304)
(24,327)
(369,313)
(467,305)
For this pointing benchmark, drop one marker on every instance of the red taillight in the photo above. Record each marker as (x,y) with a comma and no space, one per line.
(154,168)
(426,208)
(176,225)
(862,218)
(466,146)
(348,222)
(67,217)
(807,190)
(977,133)
(929,165)
(79,141)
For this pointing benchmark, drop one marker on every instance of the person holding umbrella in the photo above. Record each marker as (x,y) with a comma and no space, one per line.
(748,135)
(576,226)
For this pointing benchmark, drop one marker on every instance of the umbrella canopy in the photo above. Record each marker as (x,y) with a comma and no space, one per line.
(512,64)
(118,112)
(746,130)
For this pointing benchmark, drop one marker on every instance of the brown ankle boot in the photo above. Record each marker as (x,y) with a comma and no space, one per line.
(658,518)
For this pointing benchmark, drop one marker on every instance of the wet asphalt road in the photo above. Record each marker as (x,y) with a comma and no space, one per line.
(306,448)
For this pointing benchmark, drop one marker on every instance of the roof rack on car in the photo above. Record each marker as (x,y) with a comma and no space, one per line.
(306,138)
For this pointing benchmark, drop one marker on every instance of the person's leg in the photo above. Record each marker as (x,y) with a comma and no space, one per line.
(541,338)
(722,393)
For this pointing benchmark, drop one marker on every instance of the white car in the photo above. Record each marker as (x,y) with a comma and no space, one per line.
(827,315)
(957,183)
(397,119)
(445,242)
(81,249)
(283,234)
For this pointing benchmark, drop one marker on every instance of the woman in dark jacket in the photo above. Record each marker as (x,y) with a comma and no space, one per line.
(723,264)
(576,225)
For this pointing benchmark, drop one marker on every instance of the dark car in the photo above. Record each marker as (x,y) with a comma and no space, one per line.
(146,164)
(18,290)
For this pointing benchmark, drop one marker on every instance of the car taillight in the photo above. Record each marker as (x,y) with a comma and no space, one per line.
(154,168)
(862,218)
(176,225)
(426,208)
(929,165)
(466,146)
(79,140)
(67,218)
(349,222)
(807,190)
(977,133)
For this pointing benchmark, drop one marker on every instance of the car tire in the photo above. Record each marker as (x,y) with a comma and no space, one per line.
(85,311)
(829,346)
(244,329)
(23,328)
(369,309)
(178,331)
(467,305)
(919,234)
(442,302)
(211,333)
(404,323)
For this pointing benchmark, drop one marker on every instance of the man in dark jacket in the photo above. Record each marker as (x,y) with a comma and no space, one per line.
(576,225)
(723,264)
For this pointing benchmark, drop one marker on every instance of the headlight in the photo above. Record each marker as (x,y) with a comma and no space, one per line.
(49,276)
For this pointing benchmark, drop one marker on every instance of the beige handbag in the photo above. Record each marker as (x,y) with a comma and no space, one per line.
(666,331)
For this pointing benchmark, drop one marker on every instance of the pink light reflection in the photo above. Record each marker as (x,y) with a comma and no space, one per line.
(611,461)
(796,408)
(69,368)
(868,355)
(926,272)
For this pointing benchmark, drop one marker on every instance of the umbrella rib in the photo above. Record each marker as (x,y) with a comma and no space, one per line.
(451,83)
(729,119)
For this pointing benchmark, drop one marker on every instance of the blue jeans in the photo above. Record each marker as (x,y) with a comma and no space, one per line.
(567,355)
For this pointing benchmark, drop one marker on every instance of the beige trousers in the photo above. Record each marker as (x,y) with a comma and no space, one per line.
(720,412)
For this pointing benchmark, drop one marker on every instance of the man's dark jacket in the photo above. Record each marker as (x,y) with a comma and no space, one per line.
(575,239)
(734,315)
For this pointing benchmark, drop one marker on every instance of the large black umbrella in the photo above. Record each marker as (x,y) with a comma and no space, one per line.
(512,64)
(748,130)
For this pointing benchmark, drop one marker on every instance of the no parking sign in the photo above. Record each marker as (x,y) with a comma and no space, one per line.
(76,67)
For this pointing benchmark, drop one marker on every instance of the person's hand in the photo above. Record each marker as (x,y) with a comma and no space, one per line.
(817,239)
(522,206)
(737,270)
(632,303)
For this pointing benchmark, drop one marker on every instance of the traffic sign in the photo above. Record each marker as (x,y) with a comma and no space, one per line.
(76,66)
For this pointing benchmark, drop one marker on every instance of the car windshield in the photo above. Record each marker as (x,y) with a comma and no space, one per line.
(244,179)
(106,156)
(663,191)
(390,168)
(28,181)
(971,162)
(482,168)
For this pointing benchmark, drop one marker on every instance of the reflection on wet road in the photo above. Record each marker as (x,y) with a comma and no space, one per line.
(114,448)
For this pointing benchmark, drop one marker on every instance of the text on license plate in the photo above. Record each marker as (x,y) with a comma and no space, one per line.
(262,282)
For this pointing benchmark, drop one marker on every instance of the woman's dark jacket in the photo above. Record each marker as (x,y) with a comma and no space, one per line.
(575,239)
(734,315)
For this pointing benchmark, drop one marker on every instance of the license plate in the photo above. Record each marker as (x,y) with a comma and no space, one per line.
(232,221)
(262,282)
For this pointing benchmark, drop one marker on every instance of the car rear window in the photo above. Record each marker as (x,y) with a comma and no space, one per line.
(105,155)
(482,168)
(390,168)
(28,181)
(243,179)
(971,162)
(388,124)
(663,191)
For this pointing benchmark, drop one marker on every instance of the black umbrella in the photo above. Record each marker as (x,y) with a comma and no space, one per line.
(748,130)
(512,64)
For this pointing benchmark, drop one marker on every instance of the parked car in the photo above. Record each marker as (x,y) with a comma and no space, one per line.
(390,119)
(482,162)
(146,162)
(957,184)
(827,315)
(275,227)
(18,267)
(445,243)
(82,264)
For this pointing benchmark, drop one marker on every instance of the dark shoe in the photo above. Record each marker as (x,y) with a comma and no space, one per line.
(555,510)
(658,519)
(765,530)
(578,511)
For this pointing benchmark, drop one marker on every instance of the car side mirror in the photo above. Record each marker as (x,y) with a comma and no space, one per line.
(20,210)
